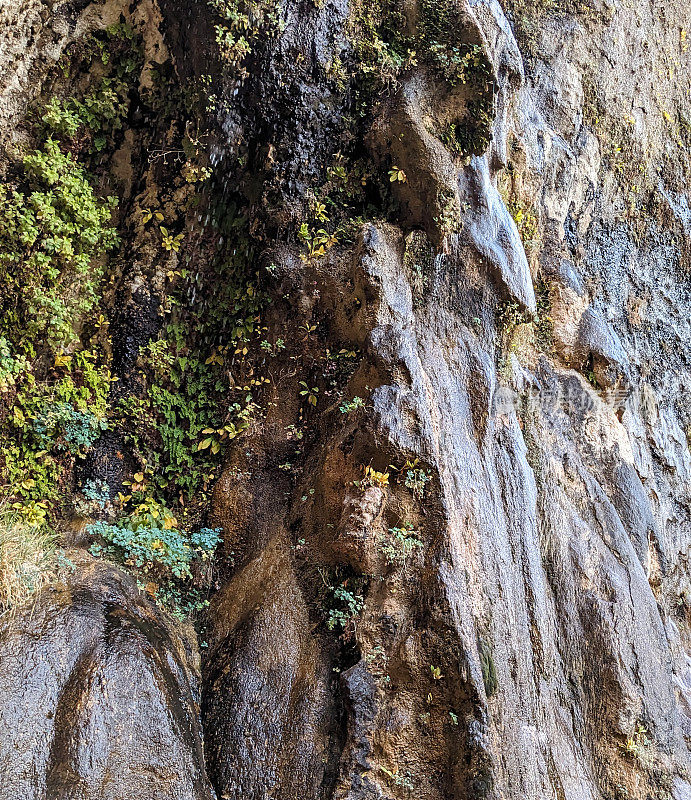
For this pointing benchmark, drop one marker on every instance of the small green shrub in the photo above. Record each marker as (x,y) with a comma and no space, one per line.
(159,553)
(309,393)
(415,478)
(50,423)
(100,113)
(88,124)
(94,497)
(378,663)
(151,548)
(60,425)
(510,315)
(12,366)
(243,22)
(54,232)
(398,778)
(347,606)
(639,740)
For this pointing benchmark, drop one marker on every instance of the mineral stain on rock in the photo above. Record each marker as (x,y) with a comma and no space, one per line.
(361,453)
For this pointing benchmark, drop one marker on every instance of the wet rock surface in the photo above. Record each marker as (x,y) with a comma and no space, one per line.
(536,644)
(100,697)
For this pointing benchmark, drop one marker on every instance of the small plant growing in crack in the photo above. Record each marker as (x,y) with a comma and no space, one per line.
(398,778)
(349,406)
(309,393)
(637,742)
(415,478)
(378,663)
(400,544)
(347,606)
(397,175)
(372,477)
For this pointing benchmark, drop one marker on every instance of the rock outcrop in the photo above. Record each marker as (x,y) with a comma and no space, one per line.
(520,326)
(100,697)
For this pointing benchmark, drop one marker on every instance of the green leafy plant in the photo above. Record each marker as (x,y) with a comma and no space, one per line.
(346,607)
(415,477)
(148,215)
(158,552)
(192,407)
(448,217)
(12,366)
(317,242)
(170,242)
(62,426)
(243,22)
(214,437)
(385,49)
(101,113)
(373,477)
(89,123)
(350,406)
(53,233)
(273,349)
(94,497)
(398,778)
(397,175)
(400,544)
(310,394)
(637,742)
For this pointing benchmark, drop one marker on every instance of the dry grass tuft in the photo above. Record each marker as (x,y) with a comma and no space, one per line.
(29,559)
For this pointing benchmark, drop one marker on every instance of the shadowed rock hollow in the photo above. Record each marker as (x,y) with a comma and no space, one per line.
(474,582)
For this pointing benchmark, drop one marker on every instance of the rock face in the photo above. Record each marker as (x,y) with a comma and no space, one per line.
(527,372)
(100,697)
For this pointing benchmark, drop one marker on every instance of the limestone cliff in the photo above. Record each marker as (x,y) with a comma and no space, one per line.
(438,257)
